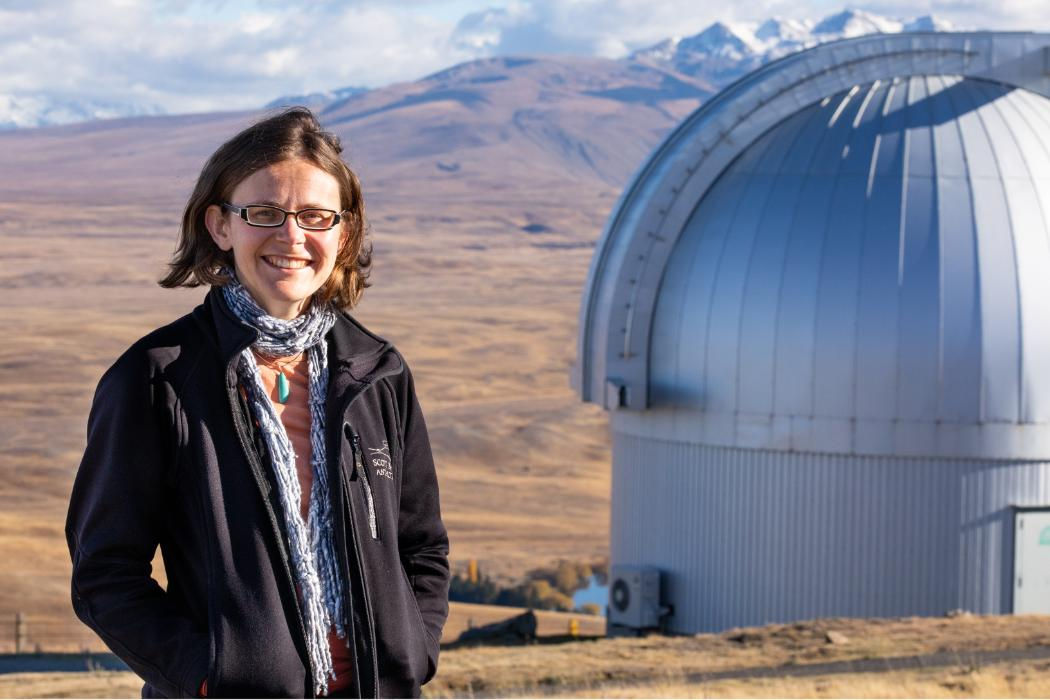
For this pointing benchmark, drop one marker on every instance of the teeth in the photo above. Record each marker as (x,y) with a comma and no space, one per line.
(286,263)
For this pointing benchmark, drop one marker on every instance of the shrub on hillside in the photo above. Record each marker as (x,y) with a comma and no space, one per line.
(545,589)
(591,609)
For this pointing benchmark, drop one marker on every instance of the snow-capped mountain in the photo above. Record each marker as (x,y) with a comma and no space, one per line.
(21,111)
(723,52)
(315,99)
(719,53)
(783,30)
(851,23)
(929,23)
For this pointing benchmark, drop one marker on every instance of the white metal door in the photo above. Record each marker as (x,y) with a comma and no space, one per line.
(1032,562)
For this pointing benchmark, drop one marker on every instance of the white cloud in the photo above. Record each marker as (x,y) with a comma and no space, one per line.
(607,28)
(188,55)
(213,55)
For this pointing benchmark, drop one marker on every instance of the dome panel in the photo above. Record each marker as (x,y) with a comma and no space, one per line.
(960,356)
(793,370)
(875,311)
(756,323)
(947,139)
(692,280)
(834,390)
(998,303)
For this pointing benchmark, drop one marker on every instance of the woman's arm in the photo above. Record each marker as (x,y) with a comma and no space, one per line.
(113,528)
(422,539)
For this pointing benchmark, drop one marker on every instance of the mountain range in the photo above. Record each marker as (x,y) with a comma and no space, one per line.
(25,111)
(523,120)
(714,57)
(723,52)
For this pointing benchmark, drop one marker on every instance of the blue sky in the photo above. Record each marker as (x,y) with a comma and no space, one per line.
(191,55)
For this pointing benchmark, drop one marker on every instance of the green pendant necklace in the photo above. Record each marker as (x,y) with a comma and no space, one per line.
(284,387)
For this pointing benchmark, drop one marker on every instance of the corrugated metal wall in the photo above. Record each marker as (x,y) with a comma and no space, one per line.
(748,536)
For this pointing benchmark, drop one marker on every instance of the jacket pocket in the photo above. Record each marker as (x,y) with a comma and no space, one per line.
(402,649)
(415,603)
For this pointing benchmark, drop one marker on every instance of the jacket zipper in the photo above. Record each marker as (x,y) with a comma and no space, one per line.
(369,616)
(369,620)
(359,469)
(257,471)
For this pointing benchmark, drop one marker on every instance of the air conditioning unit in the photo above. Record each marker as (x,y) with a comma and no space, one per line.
(634,597)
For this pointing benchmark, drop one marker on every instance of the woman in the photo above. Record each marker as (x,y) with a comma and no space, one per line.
(272,447)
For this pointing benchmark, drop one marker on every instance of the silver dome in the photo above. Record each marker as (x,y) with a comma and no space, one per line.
(844,252)
(870,276)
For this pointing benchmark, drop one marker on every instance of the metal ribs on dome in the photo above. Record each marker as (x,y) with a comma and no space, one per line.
(851,111)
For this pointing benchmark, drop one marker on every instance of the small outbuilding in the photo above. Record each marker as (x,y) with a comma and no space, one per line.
(819,316)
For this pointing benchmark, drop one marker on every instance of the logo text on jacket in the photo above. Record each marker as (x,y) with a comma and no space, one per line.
(380,457)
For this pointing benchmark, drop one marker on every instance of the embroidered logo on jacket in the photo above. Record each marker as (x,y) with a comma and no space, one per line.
(380,457)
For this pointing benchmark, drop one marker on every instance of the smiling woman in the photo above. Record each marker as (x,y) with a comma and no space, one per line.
(281,260)
(235,439)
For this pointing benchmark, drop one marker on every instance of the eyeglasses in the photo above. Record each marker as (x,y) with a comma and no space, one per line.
(268,216)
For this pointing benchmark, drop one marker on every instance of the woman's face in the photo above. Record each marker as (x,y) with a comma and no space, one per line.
(281,266)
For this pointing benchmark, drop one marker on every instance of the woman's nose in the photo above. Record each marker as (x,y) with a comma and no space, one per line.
(290,230)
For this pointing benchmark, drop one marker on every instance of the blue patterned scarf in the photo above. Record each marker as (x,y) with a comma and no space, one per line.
(311,543)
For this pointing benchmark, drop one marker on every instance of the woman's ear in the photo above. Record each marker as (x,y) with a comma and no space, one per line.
(218,226)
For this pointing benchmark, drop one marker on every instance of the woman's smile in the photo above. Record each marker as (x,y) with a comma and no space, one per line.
(286,263)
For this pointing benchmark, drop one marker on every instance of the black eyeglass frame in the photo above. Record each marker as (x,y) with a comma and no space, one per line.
(243,213)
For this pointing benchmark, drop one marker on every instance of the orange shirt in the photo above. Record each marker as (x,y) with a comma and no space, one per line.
(295,415)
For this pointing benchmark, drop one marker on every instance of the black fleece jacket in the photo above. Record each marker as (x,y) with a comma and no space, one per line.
(172,460)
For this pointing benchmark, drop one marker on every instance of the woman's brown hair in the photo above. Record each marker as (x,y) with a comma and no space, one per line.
(293,134)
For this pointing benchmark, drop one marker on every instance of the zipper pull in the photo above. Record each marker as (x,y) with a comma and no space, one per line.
(355,441)
(359,467)
(355,449)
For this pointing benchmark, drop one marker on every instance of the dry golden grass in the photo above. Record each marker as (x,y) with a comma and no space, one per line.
(1024,679)
(83,684)
(543,669)
(1013,680)
(758,662)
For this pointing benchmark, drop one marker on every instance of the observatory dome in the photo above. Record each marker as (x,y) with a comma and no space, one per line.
(820,318)
(870,276)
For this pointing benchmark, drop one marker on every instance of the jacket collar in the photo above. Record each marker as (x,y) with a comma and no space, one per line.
(352,348)
(231,334)
(355,349)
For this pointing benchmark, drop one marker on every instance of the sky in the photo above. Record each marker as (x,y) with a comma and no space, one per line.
(203,55)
